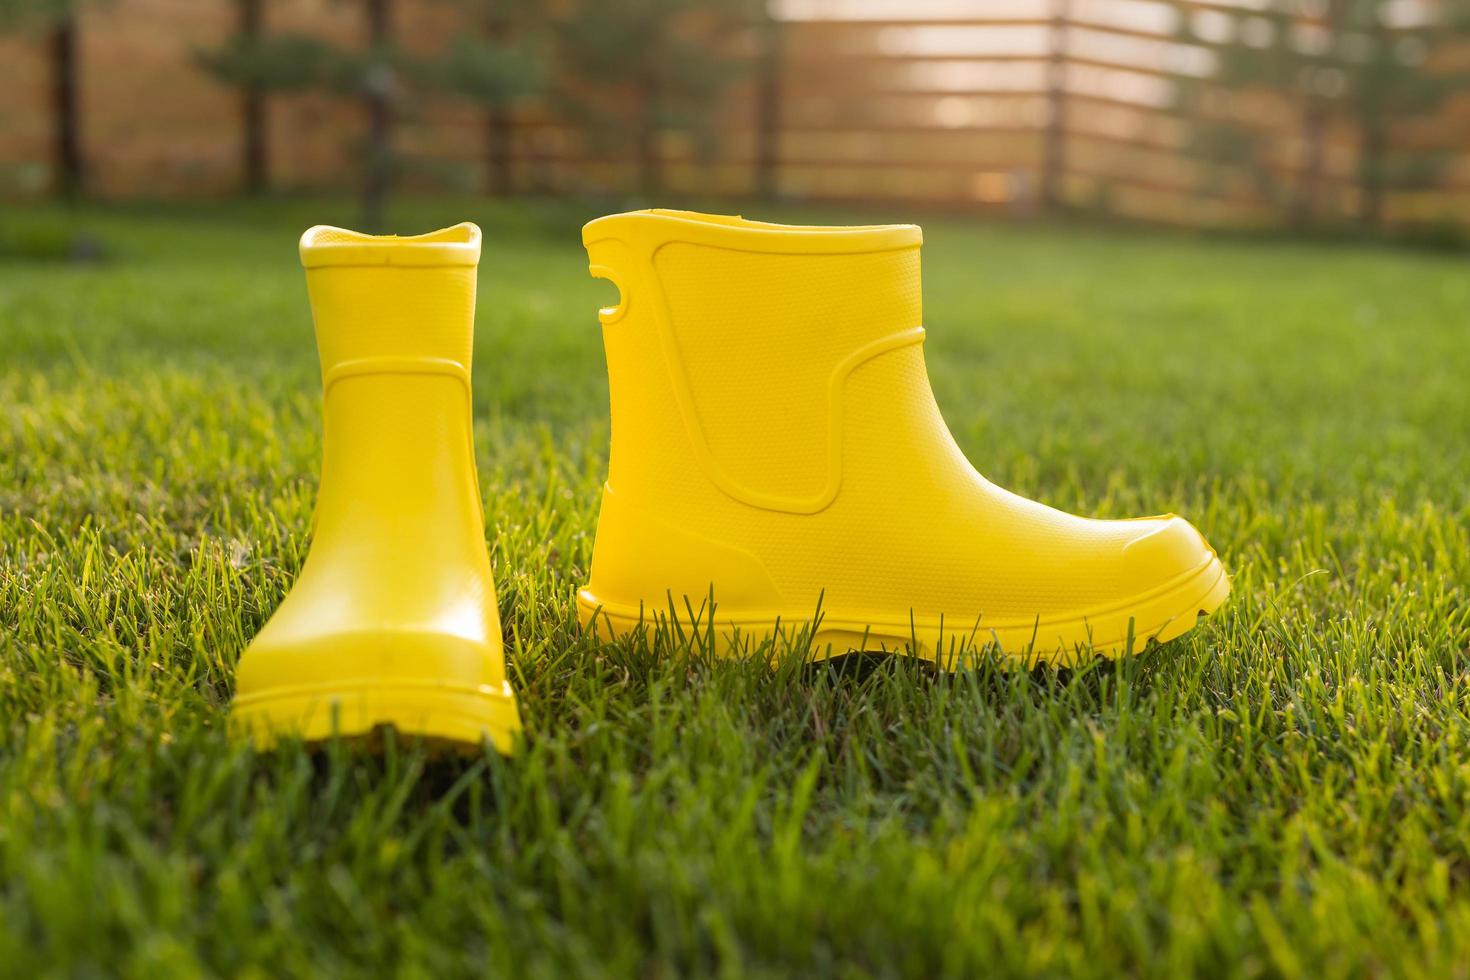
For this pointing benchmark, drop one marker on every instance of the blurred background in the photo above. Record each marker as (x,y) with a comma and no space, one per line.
(1324,116)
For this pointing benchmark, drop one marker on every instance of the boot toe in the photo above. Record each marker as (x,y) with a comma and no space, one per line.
(1165,548)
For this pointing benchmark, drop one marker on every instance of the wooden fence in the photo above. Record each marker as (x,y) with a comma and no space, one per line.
(979,104)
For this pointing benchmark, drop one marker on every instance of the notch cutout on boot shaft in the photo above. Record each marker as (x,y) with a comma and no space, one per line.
(613,312)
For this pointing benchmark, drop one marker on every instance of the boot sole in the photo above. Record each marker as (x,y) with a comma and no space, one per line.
(1148,619)
(441,715)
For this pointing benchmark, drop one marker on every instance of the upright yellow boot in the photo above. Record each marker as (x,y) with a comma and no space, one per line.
(775,444)
(393,620)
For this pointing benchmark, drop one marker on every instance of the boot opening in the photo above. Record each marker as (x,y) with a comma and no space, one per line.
(740,221)
(463,233)
(325,245)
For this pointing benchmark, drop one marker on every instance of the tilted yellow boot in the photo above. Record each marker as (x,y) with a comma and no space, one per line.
(393,620)
(775,444)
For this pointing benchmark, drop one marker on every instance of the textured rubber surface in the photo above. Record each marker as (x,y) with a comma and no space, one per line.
(393,620)
(776,444)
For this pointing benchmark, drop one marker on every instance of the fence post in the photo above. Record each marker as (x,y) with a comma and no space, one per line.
(255,161)
(497,122)
(1054,158)
(768,106)
(67,148)
(379,86)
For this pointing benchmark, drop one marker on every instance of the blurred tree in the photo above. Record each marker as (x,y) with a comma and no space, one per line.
(642,68)
(259,63)
(1338,63)
(255,164)
(59,19)
(495,69)
(255,67)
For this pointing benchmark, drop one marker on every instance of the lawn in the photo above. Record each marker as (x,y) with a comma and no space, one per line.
(1284,791)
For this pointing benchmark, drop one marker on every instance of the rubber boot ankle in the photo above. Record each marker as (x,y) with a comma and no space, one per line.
(776,448)
(393,620)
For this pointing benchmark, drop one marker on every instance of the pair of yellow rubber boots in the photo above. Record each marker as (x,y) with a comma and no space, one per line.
(775,446)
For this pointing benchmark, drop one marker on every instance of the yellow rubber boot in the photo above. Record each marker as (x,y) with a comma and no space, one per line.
(776,445)
(393,620)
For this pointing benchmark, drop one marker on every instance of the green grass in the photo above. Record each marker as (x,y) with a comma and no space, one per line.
(1285,791)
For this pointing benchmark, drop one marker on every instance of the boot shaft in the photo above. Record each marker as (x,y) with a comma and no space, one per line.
(384,298)
(731,344)
(395,328)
